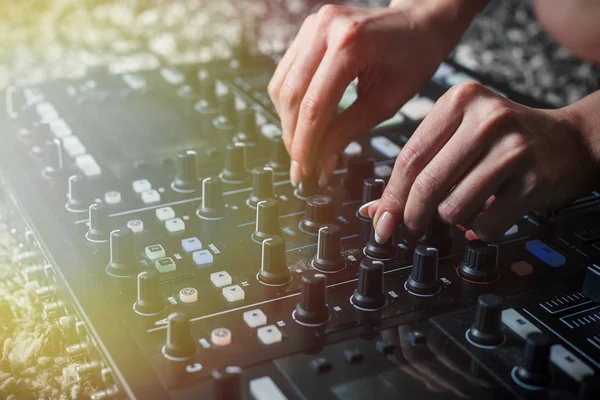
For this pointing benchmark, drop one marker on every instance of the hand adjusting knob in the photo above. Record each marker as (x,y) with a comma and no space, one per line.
(479,262)
(149,301)
(317,212)
(533,372)
(212,206)
(423,280)
(267,221)
(262,186)
(274,270)
(486,329)
(179,346)
(186,177)
(329,254)
(122,262)
(235,164)
(372,189)
(312,307)
(308,187)
(376,251)
(369,294)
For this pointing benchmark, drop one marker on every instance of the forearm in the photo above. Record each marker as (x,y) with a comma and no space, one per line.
(584,115)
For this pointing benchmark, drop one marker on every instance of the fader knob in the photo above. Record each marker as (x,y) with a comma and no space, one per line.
(318,211)
(533,372)
(186,178)
(235,164)
(180,345)
(122,262)
(312,307)
(479,261)
(308,187)
(149,300)
(211,206)
(369,294)
(372,189)
(247,131)
(54,159)
(329,255)
(359,168)
(378,251)
(438,235)
(267,220)
(486,329)
(273,269)
(262,186)
(98,223)
(76,194)
(227,383)
(423,280)
(279,159)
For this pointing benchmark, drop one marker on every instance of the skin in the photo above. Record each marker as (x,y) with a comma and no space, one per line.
(477,159)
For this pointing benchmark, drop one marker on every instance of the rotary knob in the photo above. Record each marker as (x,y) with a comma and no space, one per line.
(308,187)
(262,186)
(533,372)
(486,329)
(122,262)
(317,212)
(372,189)
(267,220)
(77,194)
(208,91)
(179,345)
(423,280)
(247,130)
(273,269)
(279,159)
(227,383)
(235,164)
(369,294)
(211,206)
(359,168)
(312,307)
(225,120)
(479,262)
(54,159)
(186,177)
(329,255)
(149,301)
(383,251)
(438,235)
(98,223)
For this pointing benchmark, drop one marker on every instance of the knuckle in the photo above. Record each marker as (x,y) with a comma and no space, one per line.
(272,90)
(450,212)
(328,13)
(460,95)
(498,115)
(289,94)
(408,159)
(425,186)
(310,110)
(350,33)
(392,198)
(517,146)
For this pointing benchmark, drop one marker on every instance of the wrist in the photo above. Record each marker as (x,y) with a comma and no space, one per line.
(584,117)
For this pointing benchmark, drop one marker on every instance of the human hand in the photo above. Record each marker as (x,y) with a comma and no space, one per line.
(483,161)
(391,51)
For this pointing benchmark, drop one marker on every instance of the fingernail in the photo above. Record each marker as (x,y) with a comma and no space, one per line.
(323,180)
(364,209)
(295,173)
(385,228)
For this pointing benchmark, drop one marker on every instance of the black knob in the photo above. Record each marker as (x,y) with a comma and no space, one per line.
(77,194)
(227,383)
(329,254)
(227,105)
(98,223)
(369,293)
(423,280)
(318,211)
(486,329)
(279,159)
(235,164)
(308,187)
(479,261)
(438,235)
(378,251)
(122,262)
(54,159)
(273,268)
(262,186)
(208,90)
(312,307)
(247,130)
(186,177)
(534,368)
(180,345)
(267,220)
(212,206)
(359,168)
(372,189)
(149,300)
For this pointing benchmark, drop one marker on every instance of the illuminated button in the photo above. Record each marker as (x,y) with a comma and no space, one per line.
(88,165)
(353,149)
(142,185)
(202,257)
(136,225)
(73,146)
(255,318)
(112,197)
(265,389)
(417,108)
(269,334)
(221,337)
(545,253)
(220,279)
(150,196)
(190,245)
(155,251)
(385,146)
(166,264)
(165,213)
(175,225)
(518,324)
(60,129)
(383,171)
(188,295)
(569,363)
(233,293)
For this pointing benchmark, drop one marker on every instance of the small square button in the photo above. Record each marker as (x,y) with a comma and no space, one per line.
(155,251)
(143,185)
(220,279)
(353,356)
(269,334)
(190,245)
(255,318)
(202,257)
(165,213)
(175,225)
(150,196)
(233,293)
(166,264)
(321,365)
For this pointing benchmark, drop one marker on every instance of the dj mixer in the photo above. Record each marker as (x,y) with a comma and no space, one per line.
(159,230)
